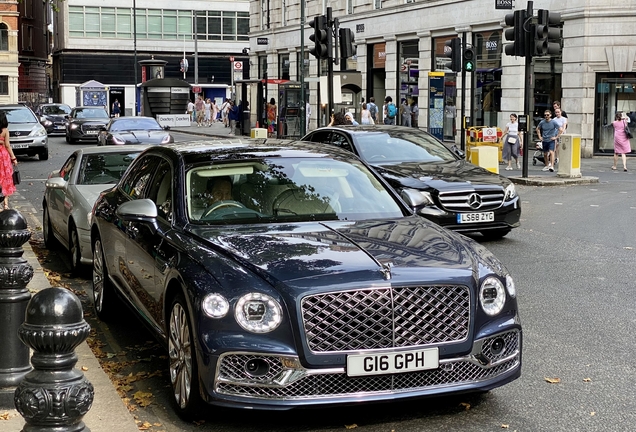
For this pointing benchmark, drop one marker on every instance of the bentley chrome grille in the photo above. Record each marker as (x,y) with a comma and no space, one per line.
(463,201)
(386,318)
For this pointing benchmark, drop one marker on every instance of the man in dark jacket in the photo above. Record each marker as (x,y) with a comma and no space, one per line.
(234,116)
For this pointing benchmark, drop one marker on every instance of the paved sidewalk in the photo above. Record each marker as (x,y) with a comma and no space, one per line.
(108,412)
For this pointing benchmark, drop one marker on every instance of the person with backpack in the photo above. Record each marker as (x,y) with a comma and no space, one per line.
(373,109)
(390,111)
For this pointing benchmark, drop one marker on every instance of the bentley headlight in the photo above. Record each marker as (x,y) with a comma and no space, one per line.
(74,126)
(511,192)
(48,122)
(38,131)
(165,139)
(215,305)
(510,286)
(258,313)
(492,295)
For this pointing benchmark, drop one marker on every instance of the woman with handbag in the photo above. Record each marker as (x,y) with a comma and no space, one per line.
(622,135)
(7,158)
(513,143)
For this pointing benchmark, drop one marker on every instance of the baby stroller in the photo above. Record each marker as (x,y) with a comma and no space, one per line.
(538,154)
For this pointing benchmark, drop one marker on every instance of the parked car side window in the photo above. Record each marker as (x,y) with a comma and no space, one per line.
(341,141)
(139,176)
(65,172)
(321,136)
(160,190)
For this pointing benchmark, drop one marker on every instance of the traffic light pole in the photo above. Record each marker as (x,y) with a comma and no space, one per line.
(463,117)
(330,67)
(303,103)
(528,92)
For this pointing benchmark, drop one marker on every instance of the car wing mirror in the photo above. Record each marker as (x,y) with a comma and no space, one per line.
(166,128)
(458,152)
(56,183)
(143,210)
(413,197)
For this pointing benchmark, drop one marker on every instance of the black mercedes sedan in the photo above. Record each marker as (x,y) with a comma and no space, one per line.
(283,274)
(433,178)
(133,130)
(85,123)
(53,117)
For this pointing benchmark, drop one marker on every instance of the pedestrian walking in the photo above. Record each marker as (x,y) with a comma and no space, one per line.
(208,112)
(622,145)
(7,158)
(225,109)
(513,143)
(233,116)
(563,124)
(307,116)
(365,115)
(199,107)
(215,111)
(405,109)
(549,132)
(190,110)
(373,109)
(415,113)
(389,110)
(271,117)
(116,108)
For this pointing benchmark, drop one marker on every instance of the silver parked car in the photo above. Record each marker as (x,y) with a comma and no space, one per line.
(71,192)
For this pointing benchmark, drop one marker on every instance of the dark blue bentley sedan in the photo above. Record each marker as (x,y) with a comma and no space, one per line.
(282,274)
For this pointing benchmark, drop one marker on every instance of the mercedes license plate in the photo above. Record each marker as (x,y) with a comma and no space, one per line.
(392,362)
(19,146)
(475,217)
(91,132)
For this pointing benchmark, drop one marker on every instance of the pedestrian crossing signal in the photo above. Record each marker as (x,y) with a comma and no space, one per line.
(469,58)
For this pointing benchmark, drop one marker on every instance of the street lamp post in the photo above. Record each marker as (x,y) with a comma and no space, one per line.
(135,49)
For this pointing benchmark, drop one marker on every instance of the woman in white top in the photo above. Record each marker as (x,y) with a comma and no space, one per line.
(215,111)
(365,116)
(208,111)
(513,143)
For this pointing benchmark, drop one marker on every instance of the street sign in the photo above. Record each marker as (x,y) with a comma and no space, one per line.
(262,41)
(490,134)
(238,65)
(196,89)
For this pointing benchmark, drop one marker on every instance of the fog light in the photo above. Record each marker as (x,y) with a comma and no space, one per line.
(256,367)
(497,346)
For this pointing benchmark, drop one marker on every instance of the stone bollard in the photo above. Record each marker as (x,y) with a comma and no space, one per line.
(15,274)
(54,396)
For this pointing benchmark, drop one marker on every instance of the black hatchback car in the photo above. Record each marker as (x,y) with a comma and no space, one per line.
(85,123)
(283,274)
(433,178)
(53,117)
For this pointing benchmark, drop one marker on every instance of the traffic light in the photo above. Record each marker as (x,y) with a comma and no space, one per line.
(469,58)
(321,37)
(547,35)
(347,49)
(516,33)
(453,50)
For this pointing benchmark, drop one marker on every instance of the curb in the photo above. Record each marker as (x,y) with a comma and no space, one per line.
(553,181)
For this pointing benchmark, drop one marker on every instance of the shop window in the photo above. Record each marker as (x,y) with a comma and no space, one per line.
(283,66)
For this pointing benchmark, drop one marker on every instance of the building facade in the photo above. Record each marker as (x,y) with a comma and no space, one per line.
(103,41)
(9,52)
(401,45)
(34,48)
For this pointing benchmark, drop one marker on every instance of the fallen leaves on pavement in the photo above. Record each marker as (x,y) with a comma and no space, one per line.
(552,380)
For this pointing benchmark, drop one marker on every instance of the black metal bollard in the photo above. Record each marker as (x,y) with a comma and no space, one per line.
(54,396)
(15,274)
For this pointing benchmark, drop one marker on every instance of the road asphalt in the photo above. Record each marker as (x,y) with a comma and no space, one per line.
(108,412)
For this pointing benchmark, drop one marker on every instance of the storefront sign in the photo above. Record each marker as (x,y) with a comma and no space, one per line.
(262,41)
(379,55)
(503,4)
(173,120)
